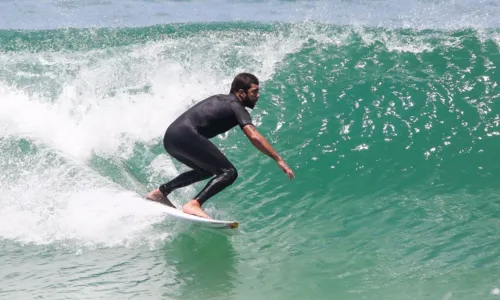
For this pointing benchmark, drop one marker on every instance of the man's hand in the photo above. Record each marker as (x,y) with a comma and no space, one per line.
(283,166)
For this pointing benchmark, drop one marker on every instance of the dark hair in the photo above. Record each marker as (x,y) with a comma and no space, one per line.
(243,81)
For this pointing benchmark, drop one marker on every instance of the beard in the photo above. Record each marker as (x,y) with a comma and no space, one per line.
(250,103)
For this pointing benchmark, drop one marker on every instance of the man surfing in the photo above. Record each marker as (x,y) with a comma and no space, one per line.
(187,140)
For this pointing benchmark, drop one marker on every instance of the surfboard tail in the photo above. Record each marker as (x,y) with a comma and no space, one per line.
(233,225)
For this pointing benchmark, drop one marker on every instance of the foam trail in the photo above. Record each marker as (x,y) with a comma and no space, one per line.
(46,199)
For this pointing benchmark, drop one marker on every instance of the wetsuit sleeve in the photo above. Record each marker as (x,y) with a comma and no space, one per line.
(241,114)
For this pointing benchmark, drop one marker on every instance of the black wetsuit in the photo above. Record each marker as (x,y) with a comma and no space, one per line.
(187,140)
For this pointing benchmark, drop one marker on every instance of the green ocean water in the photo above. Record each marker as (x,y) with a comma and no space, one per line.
(392,135)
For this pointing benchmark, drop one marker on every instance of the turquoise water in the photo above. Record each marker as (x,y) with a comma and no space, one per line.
(387,113)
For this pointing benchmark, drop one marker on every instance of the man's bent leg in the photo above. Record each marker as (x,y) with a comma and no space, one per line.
(201,155)
(214,186)
(184,179)
(217,184)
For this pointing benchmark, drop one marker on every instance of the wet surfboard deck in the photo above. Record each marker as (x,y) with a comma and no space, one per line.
(221,226)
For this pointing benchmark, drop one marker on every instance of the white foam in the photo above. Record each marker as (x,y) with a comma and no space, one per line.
(44,199)
(120,96)
(96,217)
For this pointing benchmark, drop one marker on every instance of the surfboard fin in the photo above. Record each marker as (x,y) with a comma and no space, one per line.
(167,202)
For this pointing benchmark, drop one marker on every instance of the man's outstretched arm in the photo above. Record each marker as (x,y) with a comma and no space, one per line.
(263,145)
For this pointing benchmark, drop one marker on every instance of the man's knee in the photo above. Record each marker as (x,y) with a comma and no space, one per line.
(230,175)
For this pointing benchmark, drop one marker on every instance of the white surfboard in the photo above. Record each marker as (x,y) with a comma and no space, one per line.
(221,226)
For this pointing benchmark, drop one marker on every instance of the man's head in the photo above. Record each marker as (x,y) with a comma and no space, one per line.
(246,87)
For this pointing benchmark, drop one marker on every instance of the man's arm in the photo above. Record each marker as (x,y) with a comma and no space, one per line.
(263,145)
(260,142)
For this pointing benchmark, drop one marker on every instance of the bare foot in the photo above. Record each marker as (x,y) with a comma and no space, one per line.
(194,208)
(157,196)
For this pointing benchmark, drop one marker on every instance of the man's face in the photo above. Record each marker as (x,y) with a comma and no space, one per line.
(251,97)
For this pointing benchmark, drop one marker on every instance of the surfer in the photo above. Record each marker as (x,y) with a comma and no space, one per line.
(187,140)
